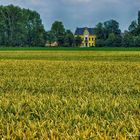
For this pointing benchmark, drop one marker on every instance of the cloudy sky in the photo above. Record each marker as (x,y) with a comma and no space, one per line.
(79,13)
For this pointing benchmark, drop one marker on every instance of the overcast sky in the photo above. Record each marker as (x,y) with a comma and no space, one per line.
(81,13)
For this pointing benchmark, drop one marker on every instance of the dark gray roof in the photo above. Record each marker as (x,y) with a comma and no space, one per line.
(80,31)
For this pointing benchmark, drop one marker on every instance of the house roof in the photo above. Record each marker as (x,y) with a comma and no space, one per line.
(80,31)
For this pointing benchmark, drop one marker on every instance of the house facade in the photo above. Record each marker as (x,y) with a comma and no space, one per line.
(87,35)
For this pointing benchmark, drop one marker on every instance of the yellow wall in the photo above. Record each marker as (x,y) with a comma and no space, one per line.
(91,42)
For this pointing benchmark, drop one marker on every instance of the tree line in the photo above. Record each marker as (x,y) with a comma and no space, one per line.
(23,27)
(20,27)
(62,36)
(109,34)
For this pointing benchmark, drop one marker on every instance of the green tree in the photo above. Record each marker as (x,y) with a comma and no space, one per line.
(133,28)
(137,41)
(132,38)
(138,17)
(34,29)
(108,33)
(111,39)
(128,40)
(69,39)
(50,37)
(100,43)
(111,26)
(78,41)
(138,30)
(99,31)
(9,19)
(59,31)
(20,27)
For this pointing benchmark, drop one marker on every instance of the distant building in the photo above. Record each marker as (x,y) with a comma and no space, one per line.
(53,44)
(87,35)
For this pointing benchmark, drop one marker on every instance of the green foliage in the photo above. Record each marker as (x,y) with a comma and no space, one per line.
(45,49)
(111,26)
(133,28)
(132,38)
(100,43)
(50,37)
(58,28)
(138,22)
(128,39)
(20,27)
(69,39)
(137,41)
(78,41)
(108,34)
(138,17)
(62,36)
(111,39)
(99,31)
(59,32)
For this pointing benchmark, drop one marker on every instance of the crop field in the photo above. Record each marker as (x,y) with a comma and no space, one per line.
(69,95)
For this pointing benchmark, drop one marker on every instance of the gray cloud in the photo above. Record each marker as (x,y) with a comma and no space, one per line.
(75,13)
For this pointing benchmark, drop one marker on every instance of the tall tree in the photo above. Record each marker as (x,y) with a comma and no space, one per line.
(133,28)
(99,31)
(137,41)
(108,33)
(78,41)
(132,38)
(35,29)
(138,17)
(113,40)
(127,39)
(69,39)
(20,27)
(138,22)
(50,37)
(59,32)
(111,26)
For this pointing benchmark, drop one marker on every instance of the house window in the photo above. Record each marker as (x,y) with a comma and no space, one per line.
(92,39)
(89,39)
(86,38)
(89,44)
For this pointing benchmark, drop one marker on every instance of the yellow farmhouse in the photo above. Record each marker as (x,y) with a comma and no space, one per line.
(87,35)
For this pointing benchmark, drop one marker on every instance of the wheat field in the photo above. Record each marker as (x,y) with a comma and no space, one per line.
(50,95)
